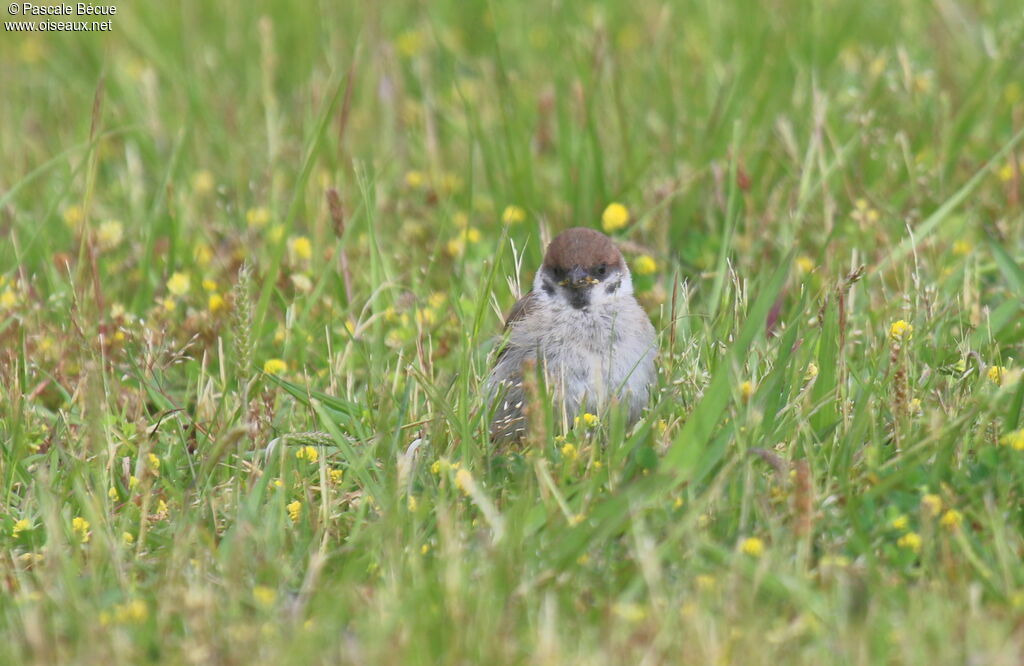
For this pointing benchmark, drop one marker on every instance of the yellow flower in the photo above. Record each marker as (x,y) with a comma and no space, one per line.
(1005,173)
(645,264)
(455,246)
(275,366)
(409,43)
(20,526)
(569,452)
(32,50)
(614,217)
(962,247)
(424,549)
(74,216)
(450,183)
(588,420)
(133,612)
(464,481)
(812,371)
(294,510)
(209,285)
(301,247)
(995,374)
(630,612)
(1014,440)
(153,463)
(900,523)
(178,284)
(425,316)
(113,494)
(952,519)
(835,561)
(437,299)
(900,330)
(202,254)
(910,541)
(336,474)
(216,303)
(109,234)
(127,538)
(804,264)
(513,215)
(203,182)
(411,504)
(133,482)
(8,299)
(168,304)
(264,596)
(415,179)
(931,504)
(80,528)
(442,465)
(746,390)
(752,546)
(308,453)
(863,212)
(705,582)
(29,559)
(257,218)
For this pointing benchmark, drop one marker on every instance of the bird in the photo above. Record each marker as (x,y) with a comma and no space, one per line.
(582,324)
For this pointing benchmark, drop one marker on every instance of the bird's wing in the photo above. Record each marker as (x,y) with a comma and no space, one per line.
(509,422)
(519,310)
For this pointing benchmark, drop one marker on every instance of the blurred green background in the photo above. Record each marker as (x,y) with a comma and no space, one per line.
(347,196)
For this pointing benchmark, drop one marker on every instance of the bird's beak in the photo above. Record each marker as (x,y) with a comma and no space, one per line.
(578,278)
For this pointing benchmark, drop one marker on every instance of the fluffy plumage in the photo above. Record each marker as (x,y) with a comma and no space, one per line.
(583,326)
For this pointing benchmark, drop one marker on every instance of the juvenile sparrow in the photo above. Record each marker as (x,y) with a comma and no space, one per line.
(583,326)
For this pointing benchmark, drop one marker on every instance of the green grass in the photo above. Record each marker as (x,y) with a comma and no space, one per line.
(804,488)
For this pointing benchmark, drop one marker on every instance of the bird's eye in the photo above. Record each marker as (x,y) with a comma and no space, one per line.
(601,270)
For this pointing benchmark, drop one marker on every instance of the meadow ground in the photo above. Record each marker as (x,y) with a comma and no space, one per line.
(228,223)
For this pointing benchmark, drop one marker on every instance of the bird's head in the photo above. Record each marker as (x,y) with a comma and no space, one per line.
(582,267)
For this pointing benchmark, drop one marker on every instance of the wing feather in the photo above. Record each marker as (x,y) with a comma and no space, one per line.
(520,309)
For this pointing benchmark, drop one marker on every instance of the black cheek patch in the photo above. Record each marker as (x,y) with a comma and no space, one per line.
(549,288)
(612,286)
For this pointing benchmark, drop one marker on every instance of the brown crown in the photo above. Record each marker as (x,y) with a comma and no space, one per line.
(582,247)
